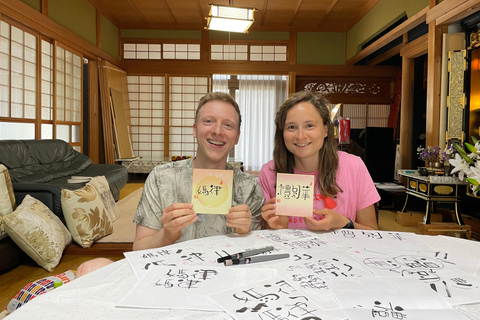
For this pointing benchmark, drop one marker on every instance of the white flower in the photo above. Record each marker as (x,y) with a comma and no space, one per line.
(461,166)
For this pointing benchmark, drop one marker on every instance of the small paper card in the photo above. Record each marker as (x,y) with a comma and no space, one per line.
(294,195)
(212,191)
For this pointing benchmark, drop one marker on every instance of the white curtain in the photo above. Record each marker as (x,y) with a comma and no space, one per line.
(220,83)
(259,97)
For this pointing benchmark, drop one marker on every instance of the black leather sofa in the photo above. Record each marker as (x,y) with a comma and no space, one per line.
(41,168)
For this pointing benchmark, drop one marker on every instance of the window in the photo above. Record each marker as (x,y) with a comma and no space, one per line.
(69,95)
(185,92)
(18,67)
(366,115)
(229,52)
(147,112)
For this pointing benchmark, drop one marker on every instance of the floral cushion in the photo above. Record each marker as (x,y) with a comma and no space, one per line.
(38,232)
(86,215)
(7,197)
(101,184)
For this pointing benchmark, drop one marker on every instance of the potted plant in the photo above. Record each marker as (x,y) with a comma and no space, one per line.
(431,154)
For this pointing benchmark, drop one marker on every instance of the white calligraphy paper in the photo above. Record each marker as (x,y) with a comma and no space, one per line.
(393,241)
(274,298)
(187,287)
(390,298)
(307,273)
(439,275)
(205,252)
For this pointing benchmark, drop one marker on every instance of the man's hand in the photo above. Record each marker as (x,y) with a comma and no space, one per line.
(273,221)
(240,218)
(176,217)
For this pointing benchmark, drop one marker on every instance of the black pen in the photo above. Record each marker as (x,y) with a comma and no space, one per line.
(256,259)
(248,253)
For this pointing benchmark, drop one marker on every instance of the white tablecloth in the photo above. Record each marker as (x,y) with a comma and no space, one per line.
(95,295)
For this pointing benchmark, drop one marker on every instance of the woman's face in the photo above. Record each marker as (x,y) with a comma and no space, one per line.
(304,132)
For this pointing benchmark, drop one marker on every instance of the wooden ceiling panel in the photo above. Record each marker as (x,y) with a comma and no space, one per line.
(271,15)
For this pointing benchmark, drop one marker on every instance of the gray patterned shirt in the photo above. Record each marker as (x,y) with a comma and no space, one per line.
(172,182)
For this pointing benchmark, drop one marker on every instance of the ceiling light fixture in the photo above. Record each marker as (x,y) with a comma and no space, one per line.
(227,18)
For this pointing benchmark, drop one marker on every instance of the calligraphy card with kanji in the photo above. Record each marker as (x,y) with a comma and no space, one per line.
(212,191)
(294,195)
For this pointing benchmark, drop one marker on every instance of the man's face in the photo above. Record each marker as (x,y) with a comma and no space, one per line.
(217,132)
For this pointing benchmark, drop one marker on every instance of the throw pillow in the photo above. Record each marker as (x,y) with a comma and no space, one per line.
(101,183)
(38,232)
(7,197)
(85,215)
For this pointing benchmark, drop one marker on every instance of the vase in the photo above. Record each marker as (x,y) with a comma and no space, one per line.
(436,165)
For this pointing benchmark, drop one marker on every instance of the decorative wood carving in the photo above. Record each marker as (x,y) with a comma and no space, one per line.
(348,90)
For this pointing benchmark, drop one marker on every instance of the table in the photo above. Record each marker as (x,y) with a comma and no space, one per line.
(433,189)
(96,295)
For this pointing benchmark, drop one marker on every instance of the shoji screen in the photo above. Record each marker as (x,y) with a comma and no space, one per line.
(69,95)
(147,112)
(185,92)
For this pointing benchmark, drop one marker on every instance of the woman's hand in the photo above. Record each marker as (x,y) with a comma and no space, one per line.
(331,220)
(273,221)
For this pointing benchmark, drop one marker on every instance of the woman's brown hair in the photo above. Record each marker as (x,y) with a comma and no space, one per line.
(328,158)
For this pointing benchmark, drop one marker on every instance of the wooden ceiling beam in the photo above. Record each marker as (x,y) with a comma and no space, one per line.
(264,12)
(175,21)
(458,13)
(386,55)
(406,26)
(104,12)
(295,13)
(442,8)
(415,48)
(200,11)
(135,8)
(330,7)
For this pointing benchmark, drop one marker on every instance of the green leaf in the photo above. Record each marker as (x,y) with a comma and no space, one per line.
(474,140)
(472,181)
(471,148)
(463,154)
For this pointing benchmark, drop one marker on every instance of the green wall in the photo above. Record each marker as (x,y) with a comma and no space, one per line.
(35,4)
(78,16)
(161,34)
(109,37)
(326,48)
(383,15)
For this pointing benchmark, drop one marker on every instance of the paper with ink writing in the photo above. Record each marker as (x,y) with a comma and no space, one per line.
(294,195)
(178,287)
(212,191)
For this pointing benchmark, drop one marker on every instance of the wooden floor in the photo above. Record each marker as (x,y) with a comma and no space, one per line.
(14,280)
(11,282)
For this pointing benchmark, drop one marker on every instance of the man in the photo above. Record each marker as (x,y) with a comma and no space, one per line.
(165,213)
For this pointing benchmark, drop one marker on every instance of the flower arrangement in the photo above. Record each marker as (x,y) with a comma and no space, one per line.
(449,153)
(467,165)
(430,154)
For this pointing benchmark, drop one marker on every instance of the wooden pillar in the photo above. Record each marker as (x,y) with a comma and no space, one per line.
(93,112)
(433,83)
(406,113)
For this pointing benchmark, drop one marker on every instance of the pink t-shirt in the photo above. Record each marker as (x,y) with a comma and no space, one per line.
(353,178)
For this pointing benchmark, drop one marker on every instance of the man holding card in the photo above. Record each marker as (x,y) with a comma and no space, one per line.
(176,207)
(310,184)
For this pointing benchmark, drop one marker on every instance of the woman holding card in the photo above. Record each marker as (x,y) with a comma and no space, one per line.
(344,193)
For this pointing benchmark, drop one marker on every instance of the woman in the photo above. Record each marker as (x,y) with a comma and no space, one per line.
(344,194)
